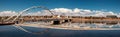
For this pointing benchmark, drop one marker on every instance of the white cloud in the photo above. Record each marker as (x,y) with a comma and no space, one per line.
(102,13)
(7,13)
(65,11)
(76,10)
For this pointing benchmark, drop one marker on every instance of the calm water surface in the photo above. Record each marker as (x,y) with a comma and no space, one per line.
(11,31)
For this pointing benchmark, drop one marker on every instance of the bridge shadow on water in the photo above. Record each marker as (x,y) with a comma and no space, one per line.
(10,31)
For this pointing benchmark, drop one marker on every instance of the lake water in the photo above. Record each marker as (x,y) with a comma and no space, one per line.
(11,31)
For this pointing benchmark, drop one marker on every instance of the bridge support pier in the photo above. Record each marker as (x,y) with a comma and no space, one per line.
(58,22)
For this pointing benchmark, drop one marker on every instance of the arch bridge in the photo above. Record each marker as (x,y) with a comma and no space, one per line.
(18,18)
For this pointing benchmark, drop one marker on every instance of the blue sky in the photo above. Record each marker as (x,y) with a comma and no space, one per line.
(19,5)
